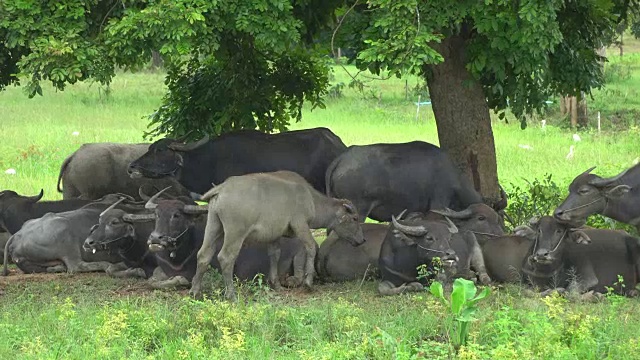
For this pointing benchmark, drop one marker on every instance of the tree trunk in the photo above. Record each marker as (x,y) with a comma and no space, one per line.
(564,105)
(583,119)
(574,112)
(156,60)
(462,117)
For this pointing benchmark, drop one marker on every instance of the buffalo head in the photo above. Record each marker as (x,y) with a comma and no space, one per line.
(431,237)
(10,201)
(589,194)
(550,239)
(164,158)
(173,219)
(479,218)
(346,223)
(113,230)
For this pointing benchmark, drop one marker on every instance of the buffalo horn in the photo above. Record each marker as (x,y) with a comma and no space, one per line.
(151,203)
(409,230)
(464,214)
(112,206)
(195,209)
(139,217)
(401,214)
(189,146)
(184,137)
(607,181)
(452,227)
(587,171)
(36,198)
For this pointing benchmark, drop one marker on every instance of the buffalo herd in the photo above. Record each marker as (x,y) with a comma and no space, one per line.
(245,203)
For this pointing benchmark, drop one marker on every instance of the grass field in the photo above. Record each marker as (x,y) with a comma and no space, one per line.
(93,316)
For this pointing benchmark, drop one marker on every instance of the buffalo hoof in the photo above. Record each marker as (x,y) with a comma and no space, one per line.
(546,293)
(196,295)
(592,296)
(414,286)
(292,282)
(485,279)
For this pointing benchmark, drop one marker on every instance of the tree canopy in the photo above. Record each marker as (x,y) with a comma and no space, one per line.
(244,64)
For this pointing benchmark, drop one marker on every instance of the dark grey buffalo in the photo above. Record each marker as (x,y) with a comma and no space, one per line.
(505,256)
(117,233)
(178,232)
(385,179)
(199,164)
(339,261)
(617,197)
(262,208)
(98,169)
(15,209)
(53,243)
(412,242)
(593,258)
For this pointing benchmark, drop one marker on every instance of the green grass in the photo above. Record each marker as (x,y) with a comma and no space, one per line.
(93,316)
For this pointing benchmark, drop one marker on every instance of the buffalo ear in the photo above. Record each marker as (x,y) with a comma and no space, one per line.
(350,208)
(524,231)
(579,237)
(405,239)
(180,159)
(618,191)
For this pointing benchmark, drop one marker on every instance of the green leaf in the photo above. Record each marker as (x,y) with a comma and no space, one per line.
(437,291)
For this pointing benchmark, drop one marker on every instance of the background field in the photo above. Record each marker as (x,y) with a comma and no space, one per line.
(92,316)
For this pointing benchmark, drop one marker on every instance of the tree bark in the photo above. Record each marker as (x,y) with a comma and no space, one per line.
(564,109)
(574,112)
(463,119)
(156,60)
(583,116)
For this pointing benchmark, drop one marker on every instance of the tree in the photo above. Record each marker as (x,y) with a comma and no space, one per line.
(231,64)
(479,56)
(244,64)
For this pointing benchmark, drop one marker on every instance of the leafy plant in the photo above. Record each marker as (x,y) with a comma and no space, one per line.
(539,198)
(462,306)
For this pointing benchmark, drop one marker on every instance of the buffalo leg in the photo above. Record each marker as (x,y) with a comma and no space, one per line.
(170,283)
(60,268)
(126,273)
(212,231)
(274,259)
(83,266)
(588,278)
(387,288)
(477,263)
(227,259)
(298,269)
(303,233)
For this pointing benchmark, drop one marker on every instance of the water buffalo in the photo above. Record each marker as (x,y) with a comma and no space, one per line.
(98,169)
(53,243)
(116,233)
(15,209)
(339,261)
(199,164)
(617,197)
(174,235)
(504,257)
(262,208)
(385,179)
(596,256)
(412,242)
